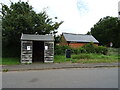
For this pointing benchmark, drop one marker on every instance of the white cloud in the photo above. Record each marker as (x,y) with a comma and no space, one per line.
(98,9)
(65,10)
(78,15)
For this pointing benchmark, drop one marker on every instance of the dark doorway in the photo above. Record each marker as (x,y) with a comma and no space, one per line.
(38,51)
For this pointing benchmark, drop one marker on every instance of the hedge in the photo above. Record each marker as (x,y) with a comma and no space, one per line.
(88,48)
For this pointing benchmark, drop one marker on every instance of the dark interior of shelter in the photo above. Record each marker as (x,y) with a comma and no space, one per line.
(38,51)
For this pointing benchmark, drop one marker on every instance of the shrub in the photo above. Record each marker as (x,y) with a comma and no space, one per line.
(78,50)
(5,70)
(75,51)
(60,50)
(88,48)
(91,48)
(103,50)
(82,50)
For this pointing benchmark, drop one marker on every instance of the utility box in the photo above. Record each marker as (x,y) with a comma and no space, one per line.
(68,53)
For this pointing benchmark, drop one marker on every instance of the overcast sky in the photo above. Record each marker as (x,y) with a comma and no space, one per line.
(78,15)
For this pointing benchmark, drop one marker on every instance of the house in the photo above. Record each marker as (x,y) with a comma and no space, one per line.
(37,48)
(77,40)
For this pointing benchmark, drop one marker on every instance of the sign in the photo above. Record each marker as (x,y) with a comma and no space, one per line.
(111,44)
(28,47)
(46,47)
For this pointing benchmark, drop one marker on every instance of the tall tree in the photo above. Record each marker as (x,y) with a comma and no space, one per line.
(106,30)
(21,18)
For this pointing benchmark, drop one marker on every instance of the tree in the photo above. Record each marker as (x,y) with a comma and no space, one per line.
(57,39)
(21,18)
(88,33)
(106,30)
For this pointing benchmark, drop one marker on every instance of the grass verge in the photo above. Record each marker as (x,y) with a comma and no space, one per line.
(80,58)
(87,58)
(9,61)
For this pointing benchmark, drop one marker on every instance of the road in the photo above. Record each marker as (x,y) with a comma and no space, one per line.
(62,78)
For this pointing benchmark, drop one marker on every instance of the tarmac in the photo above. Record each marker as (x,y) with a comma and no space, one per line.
(46,66)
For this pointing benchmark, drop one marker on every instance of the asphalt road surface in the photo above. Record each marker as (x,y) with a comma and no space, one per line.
(62,78)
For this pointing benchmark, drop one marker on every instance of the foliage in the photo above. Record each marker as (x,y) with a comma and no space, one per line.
(79,58)
(21,18)
(60,50)
(5,70)
(61,59)
(91,48)
(57,39)
(10,61)
(112,56)
(87,58)
(106,30)
(82,56)
(101,50)
(113,51)
(88,48)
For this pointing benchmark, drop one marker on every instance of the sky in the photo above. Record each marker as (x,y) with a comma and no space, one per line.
(79,16)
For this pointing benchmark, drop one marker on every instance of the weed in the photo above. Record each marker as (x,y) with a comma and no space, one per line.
(5,70)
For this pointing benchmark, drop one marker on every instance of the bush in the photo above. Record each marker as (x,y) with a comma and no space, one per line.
(60,50)
(91,48)
(82,50)
(75,51)
(101,50)
(78,50)
(88,48)
(11,50)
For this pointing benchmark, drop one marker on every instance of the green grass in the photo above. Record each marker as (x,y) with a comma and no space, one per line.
(0,60)
(61,59)
(113,51)
(87,58)
(9,61)
(81,58)
(112,56)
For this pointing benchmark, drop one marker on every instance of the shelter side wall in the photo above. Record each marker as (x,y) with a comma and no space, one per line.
(49,51)
(26,51)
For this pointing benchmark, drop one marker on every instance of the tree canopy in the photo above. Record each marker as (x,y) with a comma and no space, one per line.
(21,18)
(106,30)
